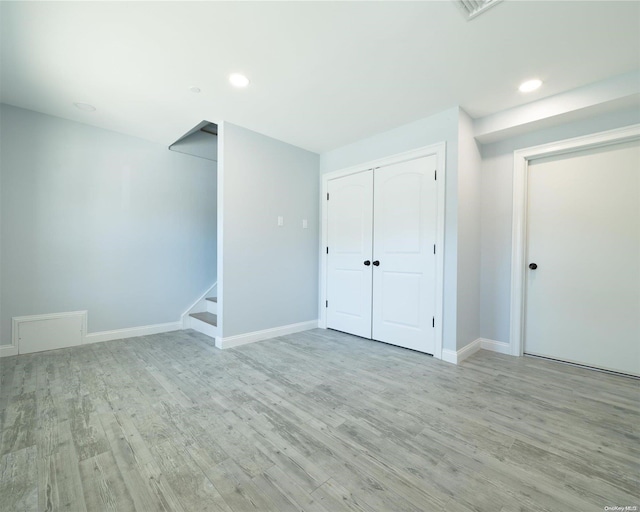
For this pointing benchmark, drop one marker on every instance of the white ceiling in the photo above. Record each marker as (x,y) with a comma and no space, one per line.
(323,74)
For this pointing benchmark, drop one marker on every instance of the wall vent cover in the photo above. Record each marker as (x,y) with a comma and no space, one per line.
(473,8)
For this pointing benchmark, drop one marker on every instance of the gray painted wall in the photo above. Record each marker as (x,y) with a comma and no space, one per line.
(268,275)
(93,219)
(437,128)
(431,130)
(469,234)
(497,212)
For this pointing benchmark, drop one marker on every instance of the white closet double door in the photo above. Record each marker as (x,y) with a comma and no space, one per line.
(381,264)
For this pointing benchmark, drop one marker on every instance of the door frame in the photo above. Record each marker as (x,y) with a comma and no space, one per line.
(519,238)
(439,151)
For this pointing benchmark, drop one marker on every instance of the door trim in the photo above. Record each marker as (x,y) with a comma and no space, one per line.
(439,150)
(521,159)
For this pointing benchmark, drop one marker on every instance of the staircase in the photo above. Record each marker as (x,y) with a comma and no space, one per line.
(206,322)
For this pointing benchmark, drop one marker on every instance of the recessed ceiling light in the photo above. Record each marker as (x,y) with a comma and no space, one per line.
(530,85)
(194,89)
(238,80)
(85,106)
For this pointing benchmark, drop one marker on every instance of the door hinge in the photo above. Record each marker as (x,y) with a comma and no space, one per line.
(326,303)
(435,174)
(327,196)
(433,321)
(434,248)
(327,250)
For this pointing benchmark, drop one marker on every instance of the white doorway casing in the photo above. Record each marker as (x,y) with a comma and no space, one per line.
(437,151)
(520,221)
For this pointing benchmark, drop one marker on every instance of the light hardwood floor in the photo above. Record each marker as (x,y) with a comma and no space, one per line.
(318,421)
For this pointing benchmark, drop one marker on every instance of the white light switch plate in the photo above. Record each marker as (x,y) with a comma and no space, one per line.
(280,220)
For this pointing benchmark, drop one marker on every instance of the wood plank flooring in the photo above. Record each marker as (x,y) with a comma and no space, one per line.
(317,421)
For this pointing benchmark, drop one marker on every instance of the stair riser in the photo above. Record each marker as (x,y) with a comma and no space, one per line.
(203,327)
(212,307)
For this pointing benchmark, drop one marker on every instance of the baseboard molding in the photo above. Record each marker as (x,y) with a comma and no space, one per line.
(132,332)
(495,346)
(8,351)
(118,334)
(449,356)
(457,356)
(251,337)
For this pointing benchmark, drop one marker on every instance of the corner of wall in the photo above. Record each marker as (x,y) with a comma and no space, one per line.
(469,234)
(259,180)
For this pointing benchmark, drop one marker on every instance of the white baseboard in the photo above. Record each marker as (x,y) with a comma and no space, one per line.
(8,351)
(456,357)
(251,337)
(495,346)
(132,332)
(118,334)
(449,356)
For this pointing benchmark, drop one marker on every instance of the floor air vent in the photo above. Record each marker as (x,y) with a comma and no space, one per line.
(473,8)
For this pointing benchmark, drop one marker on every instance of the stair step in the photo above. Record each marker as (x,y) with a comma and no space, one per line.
(213,299)
(208,318)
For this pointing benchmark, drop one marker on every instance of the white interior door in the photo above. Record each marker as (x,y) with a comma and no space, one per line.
(349,235)
(583,299)
(404,282)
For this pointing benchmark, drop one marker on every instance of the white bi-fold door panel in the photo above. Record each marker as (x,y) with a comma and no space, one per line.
(583,280)
(381,271)
(349,230)
(404,239)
